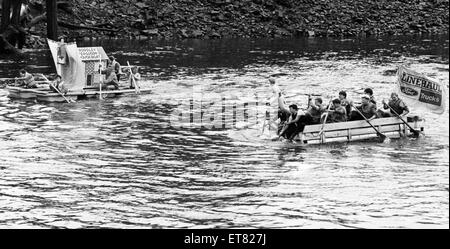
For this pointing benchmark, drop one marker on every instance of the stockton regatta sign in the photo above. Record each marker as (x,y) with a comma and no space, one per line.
(420,91)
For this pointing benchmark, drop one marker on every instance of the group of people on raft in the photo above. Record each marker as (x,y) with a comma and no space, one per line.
(292,121)
(112,74)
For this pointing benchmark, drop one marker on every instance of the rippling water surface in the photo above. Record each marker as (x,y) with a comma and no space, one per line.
(116,163)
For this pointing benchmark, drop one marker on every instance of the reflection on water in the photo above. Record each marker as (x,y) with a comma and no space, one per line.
(117,163)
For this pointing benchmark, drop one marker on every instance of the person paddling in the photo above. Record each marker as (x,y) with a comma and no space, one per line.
(58,85)
(369,92)
(135,76)
(396,104)
(298,119)
(367,108)
(345,103)
(337,113)
(26,79)
(290,128)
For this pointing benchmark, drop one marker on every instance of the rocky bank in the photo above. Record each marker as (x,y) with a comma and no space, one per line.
(261,18)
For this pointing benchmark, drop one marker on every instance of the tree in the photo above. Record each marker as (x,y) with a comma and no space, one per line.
(11,33)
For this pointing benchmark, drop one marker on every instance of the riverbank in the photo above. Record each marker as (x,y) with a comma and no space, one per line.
(211,19)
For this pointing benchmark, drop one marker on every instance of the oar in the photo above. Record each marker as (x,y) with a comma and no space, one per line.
(302,94)
(60,93)
(416,132)
(136,86)
(325,119)
(381,135)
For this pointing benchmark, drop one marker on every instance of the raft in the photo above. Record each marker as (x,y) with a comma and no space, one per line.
(46,95)
(22,93)
(349,131)
(81,69)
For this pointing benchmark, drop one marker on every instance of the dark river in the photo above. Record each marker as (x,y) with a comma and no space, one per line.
(117,163)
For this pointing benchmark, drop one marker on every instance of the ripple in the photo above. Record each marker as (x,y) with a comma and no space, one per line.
(119,164)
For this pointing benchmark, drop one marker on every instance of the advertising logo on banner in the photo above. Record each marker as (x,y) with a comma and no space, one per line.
(420,91)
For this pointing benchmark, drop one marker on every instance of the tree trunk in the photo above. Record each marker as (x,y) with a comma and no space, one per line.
(52,20)
(11,33)
(6,12)
(17,5)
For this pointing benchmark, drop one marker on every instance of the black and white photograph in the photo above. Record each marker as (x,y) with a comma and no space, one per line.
(224,114)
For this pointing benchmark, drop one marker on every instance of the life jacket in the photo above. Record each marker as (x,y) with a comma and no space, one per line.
(398,106)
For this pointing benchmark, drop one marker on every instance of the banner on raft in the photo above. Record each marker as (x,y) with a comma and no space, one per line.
(420,91)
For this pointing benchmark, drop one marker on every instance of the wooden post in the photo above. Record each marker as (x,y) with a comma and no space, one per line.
(52,20)
(6,12)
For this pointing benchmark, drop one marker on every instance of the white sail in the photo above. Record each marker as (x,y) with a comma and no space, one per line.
(68,64)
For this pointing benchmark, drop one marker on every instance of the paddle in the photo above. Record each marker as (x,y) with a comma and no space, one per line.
(60,93)
(325,119)
(301,94)
(136,86)
(381,135)
(57,90)
(416,132)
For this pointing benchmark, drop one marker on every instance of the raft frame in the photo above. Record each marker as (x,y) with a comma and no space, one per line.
(357,130)
(46,95)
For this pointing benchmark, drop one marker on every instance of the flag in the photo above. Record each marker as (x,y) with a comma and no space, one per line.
(420,91)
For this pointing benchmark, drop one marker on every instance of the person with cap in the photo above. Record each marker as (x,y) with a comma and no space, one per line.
(367,108)
(396,104)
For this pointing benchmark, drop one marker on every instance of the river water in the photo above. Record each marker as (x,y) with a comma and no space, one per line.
(117,163)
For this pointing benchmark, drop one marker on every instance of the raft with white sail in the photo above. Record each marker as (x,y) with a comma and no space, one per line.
(81,72)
